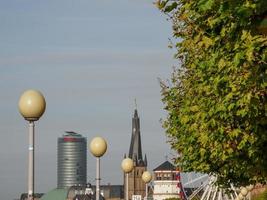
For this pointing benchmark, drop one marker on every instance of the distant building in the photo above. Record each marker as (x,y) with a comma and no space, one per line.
(166,182)
(111,192)
(71,161)
(72,173)
(71,170)
(136,184)
(71,193)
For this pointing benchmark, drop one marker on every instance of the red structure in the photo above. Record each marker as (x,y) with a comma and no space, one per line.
(180,186)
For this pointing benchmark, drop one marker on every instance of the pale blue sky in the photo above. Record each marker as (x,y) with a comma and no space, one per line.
(90,59)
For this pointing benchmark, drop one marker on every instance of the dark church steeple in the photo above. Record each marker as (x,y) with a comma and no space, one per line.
(136,186)
(135,151)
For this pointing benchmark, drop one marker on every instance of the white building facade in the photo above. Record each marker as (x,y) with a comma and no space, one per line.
(165,182)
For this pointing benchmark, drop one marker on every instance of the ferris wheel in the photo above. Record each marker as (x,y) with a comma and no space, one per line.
(197,186)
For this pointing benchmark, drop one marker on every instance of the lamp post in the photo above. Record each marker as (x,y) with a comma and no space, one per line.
(146,177)
(31,107)
(98,148)
(127,166)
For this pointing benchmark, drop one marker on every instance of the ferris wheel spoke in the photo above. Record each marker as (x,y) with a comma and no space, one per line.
(221,195)
(204,187)
(205,176)
(205,192)
(210,191)
(232,197)
(215,193)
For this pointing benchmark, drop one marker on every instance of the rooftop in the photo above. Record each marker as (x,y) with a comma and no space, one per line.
(56,194)
(71,134)
(166,166)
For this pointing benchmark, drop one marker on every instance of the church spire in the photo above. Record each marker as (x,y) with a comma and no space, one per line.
(145,161)
(136,184)
(135,151)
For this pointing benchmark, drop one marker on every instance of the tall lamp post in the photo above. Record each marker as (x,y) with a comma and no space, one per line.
(127,166)
(98,148)
(146,177)
(31,107)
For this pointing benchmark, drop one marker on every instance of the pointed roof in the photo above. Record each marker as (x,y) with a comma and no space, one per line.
(135,114)
(166,166)
(135,151)
(145,161)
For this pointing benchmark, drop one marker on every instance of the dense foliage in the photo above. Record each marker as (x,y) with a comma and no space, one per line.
(216,100)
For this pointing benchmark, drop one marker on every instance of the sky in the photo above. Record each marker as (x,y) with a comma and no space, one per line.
(90,59)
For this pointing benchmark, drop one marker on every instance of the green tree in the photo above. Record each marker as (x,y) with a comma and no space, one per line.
(216,101)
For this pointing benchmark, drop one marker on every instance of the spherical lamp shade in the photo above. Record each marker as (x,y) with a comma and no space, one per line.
(244,191)
(127,165)
(32,105)
(240,196)
(98,146)
(146,177)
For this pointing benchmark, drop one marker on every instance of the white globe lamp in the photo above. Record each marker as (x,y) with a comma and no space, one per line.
(127,166)
(98,147)
(31,106)
(146,177)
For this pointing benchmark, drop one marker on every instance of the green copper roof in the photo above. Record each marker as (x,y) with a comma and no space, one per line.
(56,194)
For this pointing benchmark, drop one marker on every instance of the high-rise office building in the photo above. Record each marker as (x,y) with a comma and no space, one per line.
(71,164)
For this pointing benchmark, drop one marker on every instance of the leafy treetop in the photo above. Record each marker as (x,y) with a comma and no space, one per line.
(216,101)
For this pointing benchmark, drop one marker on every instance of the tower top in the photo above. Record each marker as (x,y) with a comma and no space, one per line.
(135,151)
(135,104)
(71,134)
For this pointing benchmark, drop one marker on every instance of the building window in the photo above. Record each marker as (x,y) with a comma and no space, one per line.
(158,176)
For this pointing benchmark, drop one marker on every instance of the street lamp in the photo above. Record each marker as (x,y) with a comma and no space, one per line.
(98,147)
(31,107)
(146,177)
(127,166)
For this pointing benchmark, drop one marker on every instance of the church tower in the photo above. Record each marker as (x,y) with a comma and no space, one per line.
(136,184)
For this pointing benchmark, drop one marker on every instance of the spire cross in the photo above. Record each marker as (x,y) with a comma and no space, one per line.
(135,103)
